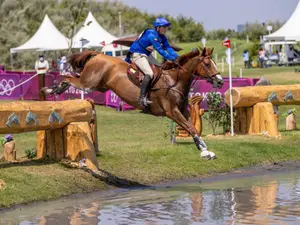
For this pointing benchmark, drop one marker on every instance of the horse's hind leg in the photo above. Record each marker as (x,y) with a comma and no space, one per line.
(177,116)
(64,85)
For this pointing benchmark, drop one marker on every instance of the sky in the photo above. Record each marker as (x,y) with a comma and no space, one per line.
(216,14)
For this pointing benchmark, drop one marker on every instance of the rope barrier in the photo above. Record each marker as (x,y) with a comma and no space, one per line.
(13,88)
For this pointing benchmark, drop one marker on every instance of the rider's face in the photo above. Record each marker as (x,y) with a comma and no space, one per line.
(162,30)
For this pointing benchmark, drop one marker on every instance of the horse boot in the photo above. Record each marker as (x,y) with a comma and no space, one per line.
(144,89)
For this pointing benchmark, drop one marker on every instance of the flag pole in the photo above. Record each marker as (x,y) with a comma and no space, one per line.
(230,92)
(227,44)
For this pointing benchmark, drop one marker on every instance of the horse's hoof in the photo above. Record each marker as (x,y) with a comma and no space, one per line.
(46,90)
(205,155)
(212,155)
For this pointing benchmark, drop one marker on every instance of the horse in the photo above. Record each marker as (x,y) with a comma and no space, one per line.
(169,93)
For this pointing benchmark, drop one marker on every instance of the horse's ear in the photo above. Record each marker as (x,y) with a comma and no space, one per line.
(211,51)
(204,52)
(200,49)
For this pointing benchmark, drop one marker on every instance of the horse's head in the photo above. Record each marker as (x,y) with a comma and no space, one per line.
(207,69)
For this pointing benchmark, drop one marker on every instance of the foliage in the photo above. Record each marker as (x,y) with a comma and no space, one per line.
(20,19)
(2,141)
(7,138)
(218,113)
(30,153)
(289,112)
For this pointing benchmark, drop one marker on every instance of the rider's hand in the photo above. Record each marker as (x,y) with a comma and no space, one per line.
(175,60)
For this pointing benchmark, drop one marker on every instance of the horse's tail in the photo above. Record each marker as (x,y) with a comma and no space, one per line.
(78,60)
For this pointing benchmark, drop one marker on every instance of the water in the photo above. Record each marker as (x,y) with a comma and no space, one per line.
(272,198)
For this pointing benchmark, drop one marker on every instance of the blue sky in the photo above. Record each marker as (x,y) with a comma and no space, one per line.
(216,14)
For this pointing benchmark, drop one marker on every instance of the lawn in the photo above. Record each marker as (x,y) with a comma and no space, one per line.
(133,146)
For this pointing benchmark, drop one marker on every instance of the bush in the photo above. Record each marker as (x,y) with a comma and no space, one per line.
(218,112)
(30,153)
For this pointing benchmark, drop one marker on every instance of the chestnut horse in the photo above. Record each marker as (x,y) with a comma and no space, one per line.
(169,95)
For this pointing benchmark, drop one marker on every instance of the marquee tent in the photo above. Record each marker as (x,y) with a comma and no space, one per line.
(92,34)
(47,37)
(290,30)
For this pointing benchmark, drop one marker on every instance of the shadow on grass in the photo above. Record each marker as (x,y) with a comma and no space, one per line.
(100,174)
(106,176)
(26,162)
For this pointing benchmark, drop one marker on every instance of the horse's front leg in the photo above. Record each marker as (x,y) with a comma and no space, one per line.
(177,116)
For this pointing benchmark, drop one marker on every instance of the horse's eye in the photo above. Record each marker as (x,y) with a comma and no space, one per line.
(207,65)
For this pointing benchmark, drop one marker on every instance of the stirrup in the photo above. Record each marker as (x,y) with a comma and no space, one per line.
(145,102)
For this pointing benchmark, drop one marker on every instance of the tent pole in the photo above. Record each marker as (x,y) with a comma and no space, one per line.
(11,61)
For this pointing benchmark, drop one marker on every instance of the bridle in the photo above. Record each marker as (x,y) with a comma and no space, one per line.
(194,77)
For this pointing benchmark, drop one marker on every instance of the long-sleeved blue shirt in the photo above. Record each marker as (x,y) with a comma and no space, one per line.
(151,37)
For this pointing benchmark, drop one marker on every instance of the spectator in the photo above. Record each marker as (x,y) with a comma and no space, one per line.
(261,57)
(41,67)
(64,66)
(54,65)
(246,58)
(290,54)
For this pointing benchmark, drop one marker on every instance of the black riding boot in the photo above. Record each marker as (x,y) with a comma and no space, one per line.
(144,89)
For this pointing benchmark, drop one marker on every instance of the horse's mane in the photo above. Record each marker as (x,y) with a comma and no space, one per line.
(182,59)
(78,60)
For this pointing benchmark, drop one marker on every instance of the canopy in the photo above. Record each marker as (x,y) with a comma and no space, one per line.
(92,34)
(127,41)
(290,30)
(47,37)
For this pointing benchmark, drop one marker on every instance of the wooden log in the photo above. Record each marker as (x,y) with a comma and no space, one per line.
(41,150)
(250,120)
(79,144)
(50,143)
(236,121)
(256,119)
(42,115)
(290,122)
(276,94)
(9,151)
(93,125)
(243,120)
(264,120)
(270,122)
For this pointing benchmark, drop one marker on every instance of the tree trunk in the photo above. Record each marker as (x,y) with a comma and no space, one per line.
(290,122)
(79,144)
(9,151)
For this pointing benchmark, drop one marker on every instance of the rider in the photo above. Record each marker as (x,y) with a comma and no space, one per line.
(139,53)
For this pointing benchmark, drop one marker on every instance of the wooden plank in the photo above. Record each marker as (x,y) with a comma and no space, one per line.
(249,96)
(68,111)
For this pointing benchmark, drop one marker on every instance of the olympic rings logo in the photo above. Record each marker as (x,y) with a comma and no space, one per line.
(6,85)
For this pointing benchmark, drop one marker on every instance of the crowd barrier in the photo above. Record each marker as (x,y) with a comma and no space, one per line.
(30,91)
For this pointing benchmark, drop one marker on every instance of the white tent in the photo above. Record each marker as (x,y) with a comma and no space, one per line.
(290,30)
(47,37)
(94,34)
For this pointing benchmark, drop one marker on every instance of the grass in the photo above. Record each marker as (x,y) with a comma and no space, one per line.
(133,147)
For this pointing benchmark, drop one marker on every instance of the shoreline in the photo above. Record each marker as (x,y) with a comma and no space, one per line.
(244,172)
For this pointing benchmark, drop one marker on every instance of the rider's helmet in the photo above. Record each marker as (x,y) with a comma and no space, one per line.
(161,22)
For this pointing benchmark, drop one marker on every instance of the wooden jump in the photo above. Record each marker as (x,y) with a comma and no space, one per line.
(65,129)
(254,111)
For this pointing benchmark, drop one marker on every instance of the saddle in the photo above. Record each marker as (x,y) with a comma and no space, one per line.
(136,76)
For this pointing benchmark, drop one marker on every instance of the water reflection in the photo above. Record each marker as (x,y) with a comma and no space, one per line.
(268,199)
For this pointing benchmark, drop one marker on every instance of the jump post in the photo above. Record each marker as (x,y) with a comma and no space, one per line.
(254,107)
(65,129)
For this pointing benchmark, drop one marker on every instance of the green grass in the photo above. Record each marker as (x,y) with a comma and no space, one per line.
(133,147)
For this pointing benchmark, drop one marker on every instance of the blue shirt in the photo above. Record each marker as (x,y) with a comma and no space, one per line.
(151,37)
(246,56)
